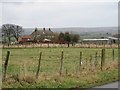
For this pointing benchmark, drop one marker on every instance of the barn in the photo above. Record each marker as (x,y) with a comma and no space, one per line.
(96,41)
(108,40)
(113,40)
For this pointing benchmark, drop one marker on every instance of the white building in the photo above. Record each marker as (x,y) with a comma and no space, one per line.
(108,40)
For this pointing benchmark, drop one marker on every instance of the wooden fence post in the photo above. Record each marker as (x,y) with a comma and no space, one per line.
(61,63)
(3,45)
(80,63)
(6,64)
(66,71)
(91,60)
(104,45)
(33,44)
(39,64)
(113,54)
(96,44)
(96,62)
(102,58)
(48,44)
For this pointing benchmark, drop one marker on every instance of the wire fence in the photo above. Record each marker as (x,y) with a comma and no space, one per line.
(60,61)
(48,45)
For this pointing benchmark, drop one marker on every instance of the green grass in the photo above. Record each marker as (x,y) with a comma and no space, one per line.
(24,62)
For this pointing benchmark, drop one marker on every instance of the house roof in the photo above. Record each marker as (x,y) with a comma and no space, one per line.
(42,32)
(48,32)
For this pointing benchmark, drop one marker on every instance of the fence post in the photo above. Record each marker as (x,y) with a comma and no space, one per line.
(102,58)
(113,54)
(91,60)
(96,62)
(104,45)
(48,44)
(66,71)
(39,64)
(6,64)
(3,45)
(80,63)
(96,44)
(61,63)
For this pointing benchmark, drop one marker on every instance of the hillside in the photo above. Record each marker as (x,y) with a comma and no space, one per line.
(83,32)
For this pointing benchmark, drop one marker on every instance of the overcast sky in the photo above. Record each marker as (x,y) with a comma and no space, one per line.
(60,13)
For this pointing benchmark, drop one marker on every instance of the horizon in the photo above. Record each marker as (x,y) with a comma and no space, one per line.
(66,27)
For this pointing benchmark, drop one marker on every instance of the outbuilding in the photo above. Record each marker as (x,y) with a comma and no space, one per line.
(96,41)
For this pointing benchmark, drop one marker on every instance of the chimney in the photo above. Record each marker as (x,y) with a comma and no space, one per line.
(44,29)
(49,29)
(35,29)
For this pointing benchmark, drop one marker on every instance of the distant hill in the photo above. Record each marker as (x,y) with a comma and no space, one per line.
(78,30)
(94,32)
(84,32)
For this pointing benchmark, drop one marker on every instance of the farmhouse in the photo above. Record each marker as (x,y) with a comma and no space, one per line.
(42,35)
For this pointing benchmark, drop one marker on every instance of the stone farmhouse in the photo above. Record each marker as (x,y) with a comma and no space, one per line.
(39,35)
(42,35)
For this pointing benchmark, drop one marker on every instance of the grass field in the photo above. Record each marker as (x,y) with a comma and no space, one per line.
(23,65)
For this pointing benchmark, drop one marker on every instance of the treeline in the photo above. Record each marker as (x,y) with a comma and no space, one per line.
(68,38)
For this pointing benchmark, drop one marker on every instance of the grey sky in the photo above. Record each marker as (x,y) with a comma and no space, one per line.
(60,14)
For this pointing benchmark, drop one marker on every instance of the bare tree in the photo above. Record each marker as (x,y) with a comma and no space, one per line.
(61,38)
(16,31)
(7,32)
(11,30)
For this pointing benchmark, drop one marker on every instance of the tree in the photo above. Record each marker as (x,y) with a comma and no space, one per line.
(49,29)
(67,38)
(7,32)
(16,31)
(75,38)
(11,30)
(61,37)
